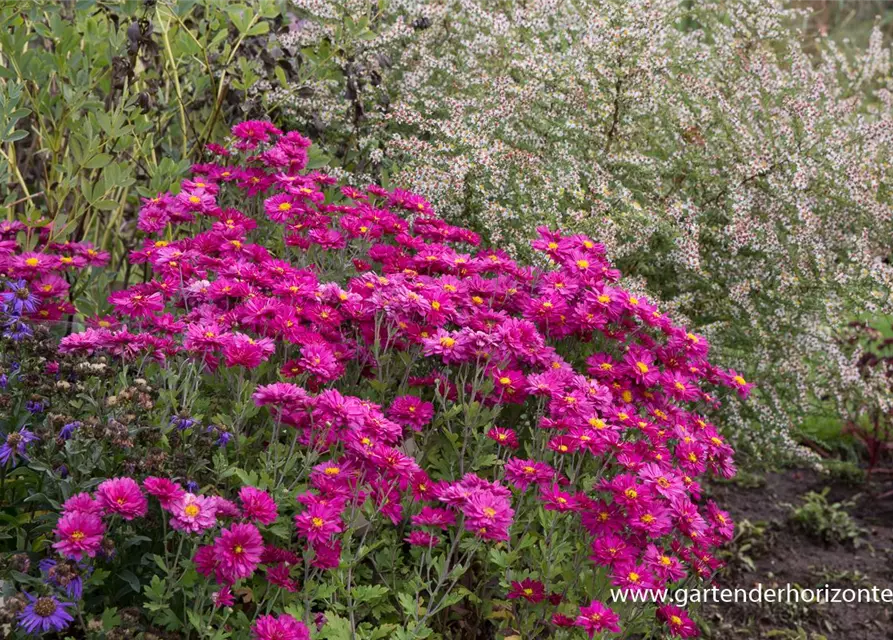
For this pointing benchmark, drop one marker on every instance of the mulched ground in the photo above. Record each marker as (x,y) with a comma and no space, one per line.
(791,556)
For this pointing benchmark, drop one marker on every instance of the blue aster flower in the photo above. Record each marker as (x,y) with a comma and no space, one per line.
(45,613)
(15,445)
(19,298)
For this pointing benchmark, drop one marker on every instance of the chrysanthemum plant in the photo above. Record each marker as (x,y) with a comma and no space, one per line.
(734,162)
(358,423)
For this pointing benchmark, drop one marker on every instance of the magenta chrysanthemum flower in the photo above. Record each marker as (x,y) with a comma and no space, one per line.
(319,522)
(523,473)
(678,621)
(422,539)
(167,491)
(122,496)
(412,412)
(79,534)
(280,575)
(431,517)
(531,590)
(206,562)
(319,360)
(194,514)
(238,550)
(136,303)
(82,502)
(282,394)
(224,598)
(283,627)
(488,515)
(242,350)
(596,618)
(504,437)
(258,505)
(251,133)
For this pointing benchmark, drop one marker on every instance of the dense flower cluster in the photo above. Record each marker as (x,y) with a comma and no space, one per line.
(612,445)
(33,282)
(734,166)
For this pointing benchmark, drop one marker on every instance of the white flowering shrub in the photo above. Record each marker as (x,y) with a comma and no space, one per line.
(736,171)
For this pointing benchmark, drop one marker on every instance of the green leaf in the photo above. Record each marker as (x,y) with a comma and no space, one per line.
(131,579)
(98,161)
(409,604)
(382,631)
(280,76)
(259,29)
(195,620)
(337,628)
(369,593)
(110,619)
(240,15)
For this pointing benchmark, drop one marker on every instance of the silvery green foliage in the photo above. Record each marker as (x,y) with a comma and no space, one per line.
(734,169)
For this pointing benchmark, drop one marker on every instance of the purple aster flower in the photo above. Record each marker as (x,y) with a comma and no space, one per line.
(65,576)
(43,614)
(15,445)
(182,422)
(35,406)
(68,430)
(16,330)
(19,298)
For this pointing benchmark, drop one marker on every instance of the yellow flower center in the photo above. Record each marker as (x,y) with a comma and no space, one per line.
(191,510)
(32,262)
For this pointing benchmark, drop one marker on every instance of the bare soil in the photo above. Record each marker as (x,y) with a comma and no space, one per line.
(785,554)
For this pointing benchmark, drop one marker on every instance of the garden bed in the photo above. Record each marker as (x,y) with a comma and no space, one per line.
(792,556)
